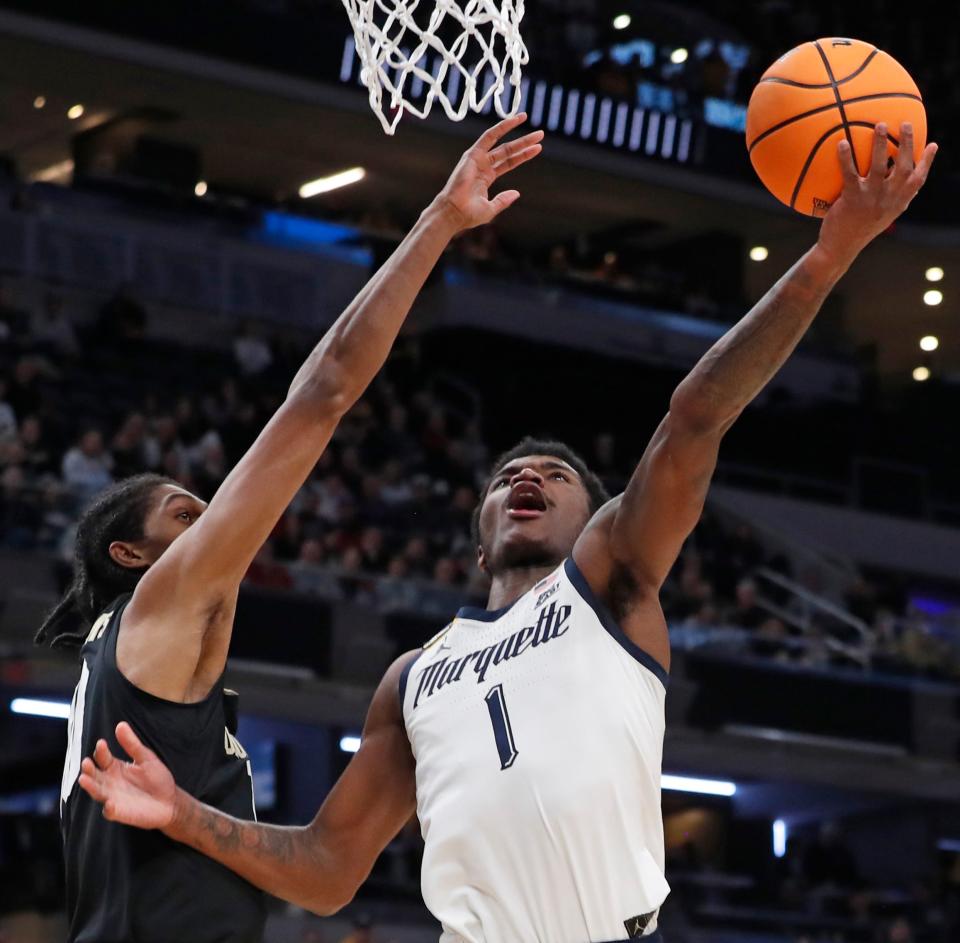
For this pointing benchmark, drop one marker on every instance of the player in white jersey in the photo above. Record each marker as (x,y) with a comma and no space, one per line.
(527,735)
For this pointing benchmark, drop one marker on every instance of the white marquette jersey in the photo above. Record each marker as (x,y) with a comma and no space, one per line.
(537,731)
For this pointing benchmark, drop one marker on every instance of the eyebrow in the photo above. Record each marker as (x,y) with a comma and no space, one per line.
(549,463)
(179,494)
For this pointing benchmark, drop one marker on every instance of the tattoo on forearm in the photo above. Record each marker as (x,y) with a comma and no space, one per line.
(740,364)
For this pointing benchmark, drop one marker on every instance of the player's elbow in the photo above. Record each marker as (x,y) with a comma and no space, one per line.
(324,391)
(332,897)
(694,411)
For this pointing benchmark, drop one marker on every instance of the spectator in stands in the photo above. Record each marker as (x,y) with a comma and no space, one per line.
(395,592)
(395,487)
(208,465)
(20,516)
(287,537)
(38,457)
(132,453)
(87,467)
(605,462)
(265,572)
(309,573)
(122,320)
(373,550)
(251,351)
(827,861)
(52,330)
(441,596)
(12,317)
(8,418)
(167,449)
(416,553)
(24,392)
(745,612)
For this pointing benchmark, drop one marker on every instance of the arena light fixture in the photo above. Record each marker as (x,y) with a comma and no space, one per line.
(349,744)
(37,707)
(929,342)
(325,184)
(39,102)
(779,838)
(934,274)
(759,253)
(74,112)
(201,188)
(704,787)
(921,374)
(679,55)
(622,21)
(932,297)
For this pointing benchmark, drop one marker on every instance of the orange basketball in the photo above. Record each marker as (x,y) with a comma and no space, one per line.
(812,97)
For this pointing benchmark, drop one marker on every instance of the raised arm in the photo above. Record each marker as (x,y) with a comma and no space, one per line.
(177,627)
(642,531)
(317,866)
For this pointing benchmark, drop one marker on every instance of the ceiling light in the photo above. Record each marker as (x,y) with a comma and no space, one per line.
(621,21)
(74,112)
(54,173)
(37,707)
(921,373)
(779,838)
(39,102)
(333,182)
(932,296)
(759,253)
(201,188)
(929,342)
(349,744)
(706,787)
(934,274)
(679,55)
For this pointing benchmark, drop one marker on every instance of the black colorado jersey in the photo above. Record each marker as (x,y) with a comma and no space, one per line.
(126,884)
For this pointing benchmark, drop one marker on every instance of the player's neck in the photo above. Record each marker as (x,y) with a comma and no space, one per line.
(513,583)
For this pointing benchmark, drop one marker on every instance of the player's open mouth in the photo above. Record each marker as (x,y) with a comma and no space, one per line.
(526,501)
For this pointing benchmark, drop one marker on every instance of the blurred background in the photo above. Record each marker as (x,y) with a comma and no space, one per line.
(162,275)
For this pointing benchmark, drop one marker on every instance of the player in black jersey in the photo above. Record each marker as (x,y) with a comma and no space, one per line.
(156,578)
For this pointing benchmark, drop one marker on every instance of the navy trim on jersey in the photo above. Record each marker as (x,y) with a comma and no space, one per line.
(404,674)
(476,614)
(610,624)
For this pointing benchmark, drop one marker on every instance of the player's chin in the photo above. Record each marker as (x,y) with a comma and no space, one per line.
(525,548)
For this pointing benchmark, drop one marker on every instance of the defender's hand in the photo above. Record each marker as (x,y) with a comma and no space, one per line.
(868,205)
(141,793)
(466,195)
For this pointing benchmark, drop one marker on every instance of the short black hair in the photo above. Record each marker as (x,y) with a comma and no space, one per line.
(532,446)
(119,512)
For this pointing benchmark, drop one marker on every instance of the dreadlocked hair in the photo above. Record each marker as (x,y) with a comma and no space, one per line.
(117,513)
(531,446)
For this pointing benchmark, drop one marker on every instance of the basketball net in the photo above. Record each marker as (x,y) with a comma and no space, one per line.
(407,65)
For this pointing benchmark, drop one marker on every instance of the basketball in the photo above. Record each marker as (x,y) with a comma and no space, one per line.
(809,99)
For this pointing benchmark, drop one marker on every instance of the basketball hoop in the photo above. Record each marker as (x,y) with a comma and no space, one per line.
(462,53)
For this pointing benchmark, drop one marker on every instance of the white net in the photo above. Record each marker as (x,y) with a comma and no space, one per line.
(462,53)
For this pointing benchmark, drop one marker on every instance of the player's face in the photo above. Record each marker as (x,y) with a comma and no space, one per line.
(173,511)
(533,512)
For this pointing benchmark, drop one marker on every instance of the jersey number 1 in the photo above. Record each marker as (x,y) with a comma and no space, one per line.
(502,731)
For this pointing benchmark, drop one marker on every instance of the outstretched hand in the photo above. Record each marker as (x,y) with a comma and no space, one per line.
(467,192)
(868,205)
(141,793)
